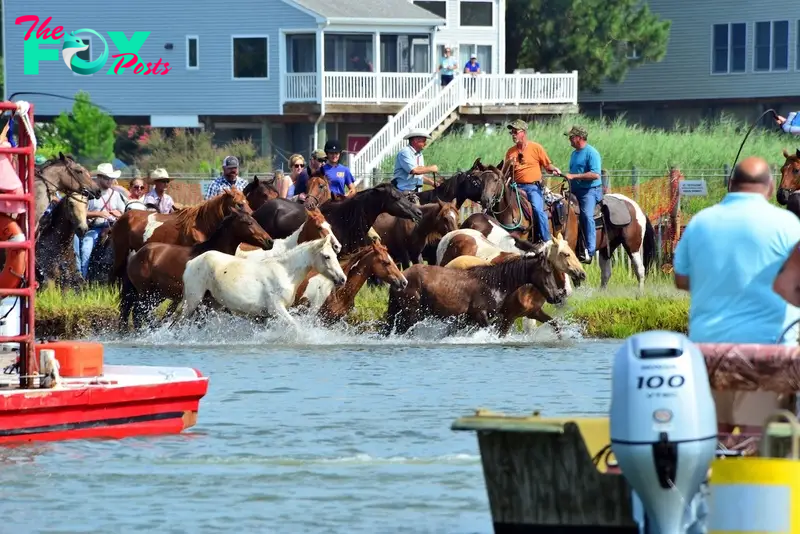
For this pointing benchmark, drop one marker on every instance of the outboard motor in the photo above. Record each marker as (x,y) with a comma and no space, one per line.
(663,425)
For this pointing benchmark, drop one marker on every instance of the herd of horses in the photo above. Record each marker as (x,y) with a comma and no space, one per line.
(253,253)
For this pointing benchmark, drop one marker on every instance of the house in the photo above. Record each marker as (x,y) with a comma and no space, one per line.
(286,73)
(728,56)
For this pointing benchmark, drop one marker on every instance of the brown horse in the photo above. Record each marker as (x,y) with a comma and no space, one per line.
(155,271)
(318,190)
(55,254)
(787,194)
(472,296)
(259,191)
(62,174)
(406,240)
(188,227)
(618,219)
(331,304)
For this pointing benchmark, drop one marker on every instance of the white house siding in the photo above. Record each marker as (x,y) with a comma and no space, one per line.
(685,72)
(209,90)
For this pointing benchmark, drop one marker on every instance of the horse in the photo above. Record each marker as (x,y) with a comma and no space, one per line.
(259,191)
(155,271)
(257,287)
(406,240)
(787,194)
(318,192)
(467,262)
(188,227)
(315,227)
(318,295)
(460,187)
(55,253)
(472,296)
(62,174)
(350,218)
(619,221)
(471,242)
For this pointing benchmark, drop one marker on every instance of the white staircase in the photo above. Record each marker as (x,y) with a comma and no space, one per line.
(435,108)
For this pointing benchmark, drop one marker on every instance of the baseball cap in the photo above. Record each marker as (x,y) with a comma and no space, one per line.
(518,124)
(577,130)
(230,161)
(319,155)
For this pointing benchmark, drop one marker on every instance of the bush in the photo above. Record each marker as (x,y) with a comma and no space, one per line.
(87,130)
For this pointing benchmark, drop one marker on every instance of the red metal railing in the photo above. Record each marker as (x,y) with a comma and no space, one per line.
(25,151)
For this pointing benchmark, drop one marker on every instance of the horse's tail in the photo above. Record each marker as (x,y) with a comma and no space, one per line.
(649,246)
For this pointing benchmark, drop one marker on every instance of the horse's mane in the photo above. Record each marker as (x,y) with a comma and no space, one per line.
(447,188)
(360,253)
(351,214)
(222,228)
(511,273)
(68,158)
(208,213)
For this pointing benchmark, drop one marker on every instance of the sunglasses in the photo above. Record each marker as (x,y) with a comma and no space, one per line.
(299,165)
(137,187)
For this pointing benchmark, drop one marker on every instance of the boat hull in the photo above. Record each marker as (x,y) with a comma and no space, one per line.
(126,401)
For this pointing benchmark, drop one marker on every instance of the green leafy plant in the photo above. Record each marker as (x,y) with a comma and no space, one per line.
(87,130)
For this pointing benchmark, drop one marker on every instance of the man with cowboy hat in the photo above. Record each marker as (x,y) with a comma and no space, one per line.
(157,197)
(101,213)
(409,165)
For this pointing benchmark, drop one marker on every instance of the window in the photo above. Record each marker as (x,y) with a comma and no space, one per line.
(729,48)
(771,49)
(436,7)
(250,58)
(192,53)
(476,13)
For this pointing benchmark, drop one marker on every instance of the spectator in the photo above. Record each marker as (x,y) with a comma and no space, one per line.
(101,213)
(157,197)
(138,190)
(473,68)
(282,183)
(298,176)
(229,179)
(447,66)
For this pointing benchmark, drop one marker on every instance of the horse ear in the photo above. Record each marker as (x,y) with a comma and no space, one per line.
(255,180)
(798,152)
(61,156)
(558,237)
(785,154)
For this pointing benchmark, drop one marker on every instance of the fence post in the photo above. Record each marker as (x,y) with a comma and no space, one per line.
(727,170)
(635,183)
(675,208)
(604,176)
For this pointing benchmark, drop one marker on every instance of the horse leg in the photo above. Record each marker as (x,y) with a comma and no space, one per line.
(544,318)
(284,314)
(636,259)
(605,266)
(126,303)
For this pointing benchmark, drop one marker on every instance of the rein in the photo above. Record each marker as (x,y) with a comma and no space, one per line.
(499,198)
(746,135)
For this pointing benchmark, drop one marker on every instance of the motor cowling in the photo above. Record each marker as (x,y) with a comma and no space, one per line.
(663,424)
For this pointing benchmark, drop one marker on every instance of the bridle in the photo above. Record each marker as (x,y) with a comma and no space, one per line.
(53,188)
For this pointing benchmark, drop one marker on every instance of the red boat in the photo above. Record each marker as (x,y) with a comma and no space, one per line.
(63,390)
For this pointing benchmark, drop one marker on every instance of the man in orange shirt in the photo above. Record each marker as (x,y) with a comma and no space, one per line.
(528,158)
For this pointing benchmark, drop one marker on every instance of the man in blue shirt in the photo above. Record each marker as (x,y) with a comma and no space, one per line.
(585,183)
(409,165)
(728,258)
(790,123)
(338,175)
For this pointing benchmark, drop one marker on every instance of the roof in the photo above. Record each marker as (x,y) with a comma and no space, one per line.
(387,11)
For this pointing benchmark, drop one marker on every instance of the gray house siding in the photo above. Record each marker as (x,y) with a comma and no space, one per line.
(209,90)
(685,72)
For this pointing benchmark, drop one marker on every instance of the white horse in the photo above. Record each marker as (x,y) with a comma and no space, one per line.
(486,248)
(257,287)
(280,246)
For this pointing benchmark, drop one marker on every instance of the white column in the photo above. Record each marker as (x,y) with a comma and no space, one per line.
(376,64)
(320,66)
(432,51)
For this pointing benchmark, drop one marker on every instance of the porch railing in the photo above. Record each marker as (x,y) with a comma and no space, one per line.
(354,87)
(300,86)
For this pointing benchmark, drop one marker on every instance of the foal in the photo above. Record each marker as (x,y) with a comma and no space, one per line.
(155,271)
(55,254)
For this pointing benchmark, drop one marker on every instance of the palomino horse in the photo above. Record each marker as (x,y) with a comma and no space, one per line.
(618,219)
(65,175)
(155,271)
(406,240)
(257,288)
(472,296)
(315,227)
(259,191)
(55,254)
(787,194)
(350,218)
(188,227)
(331,304)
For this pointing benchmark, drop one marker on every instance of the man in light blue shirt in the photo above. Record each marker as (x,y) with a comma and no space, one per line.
(585,166)
(409,165)
(790,123)
(728,259)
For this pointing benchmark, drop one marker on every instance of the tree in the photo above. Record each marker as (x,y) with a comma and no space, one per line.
(590,36)
(88,130)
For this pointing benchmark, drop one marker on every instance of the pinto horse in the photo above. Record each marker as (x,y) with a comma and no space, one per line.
(787,194)
(619,222)
(406,240)
(350,218)
(188,227)
(470,297)
(259,191)
(155,271)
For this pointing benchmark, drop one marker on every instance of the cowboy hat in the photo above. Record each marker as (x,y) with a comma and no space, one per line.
(417,133)
(159,175)
(107,170)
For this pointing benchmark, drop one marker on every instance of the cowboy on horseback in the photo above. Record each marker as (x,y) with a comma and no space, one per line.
(527,158)
(410,168)
(587,186)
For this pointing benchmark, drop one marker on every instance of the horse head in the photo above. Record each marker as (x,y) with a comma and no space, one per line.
(258,192)
(318,192)
(77,207)
(550,282)
(395,203)
(245,229)
(790,176)
(384,268)
(493,187)
(231,200)
(325,261)
(68,176)
(446,218)
(563,258)
(317,227)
